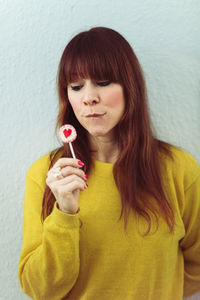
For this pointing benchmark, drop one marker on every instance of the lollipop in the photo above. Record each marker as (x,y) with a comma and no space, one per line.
(67,134)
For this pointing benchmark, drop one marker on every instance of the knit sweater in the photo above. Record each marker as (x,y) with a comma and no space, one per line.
(62,259)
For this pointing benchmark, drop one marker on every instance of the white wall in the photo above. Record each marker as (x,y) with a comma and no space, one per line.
(33,34)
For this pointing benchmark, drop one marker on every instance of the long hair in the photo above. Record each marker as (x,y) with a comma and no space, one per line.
(102,53)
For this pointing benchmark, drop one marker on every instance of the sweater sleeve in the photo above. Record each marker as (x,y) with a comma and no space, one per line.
(190,244)
(49,261)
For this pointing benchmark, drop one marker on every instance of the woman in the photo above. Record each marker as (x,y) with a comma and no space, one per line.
(153,252)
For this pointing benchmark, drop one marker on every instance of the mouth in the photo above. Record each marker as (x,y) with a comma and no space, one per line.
(95,115)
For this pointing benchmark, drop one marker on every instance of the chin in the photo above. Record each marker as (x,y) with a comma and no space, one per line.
(96,130)
(97,133)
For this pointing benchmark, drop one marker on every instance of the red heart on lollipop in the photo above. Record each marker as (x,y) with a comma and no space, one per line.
(67,132)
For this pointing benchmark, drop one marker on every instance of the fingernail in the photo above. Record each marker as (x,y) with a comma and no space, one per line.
(86,186)
(80,163)
(86,176)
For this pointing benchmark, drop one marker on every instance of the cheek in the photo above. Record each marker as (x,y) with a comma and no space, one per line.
(74,104)
(116,99)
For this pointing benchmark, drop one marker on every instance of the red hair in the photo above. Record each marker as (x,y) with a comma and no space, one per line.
(102,53)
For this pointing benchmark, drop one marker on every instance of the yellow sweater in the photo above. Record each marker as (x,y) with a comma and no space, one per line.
(98,260)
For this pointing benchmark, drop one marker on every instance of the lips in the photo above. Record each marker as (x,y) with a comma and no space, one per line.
(94,115)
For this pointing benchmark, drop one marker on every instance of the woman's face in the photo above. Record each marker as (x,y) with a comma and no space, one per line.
(97,97)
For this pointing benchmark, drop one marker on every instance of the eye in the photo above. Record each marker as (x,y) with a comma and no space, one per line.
(76,87)
(103,83)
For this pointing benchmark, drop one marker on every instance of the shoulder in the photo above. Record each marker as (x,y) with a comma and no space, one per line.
(183,166)
(41,164)
(39,168)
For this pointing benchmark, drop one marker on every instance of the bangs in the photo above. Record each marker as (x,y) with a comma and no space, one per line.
(91,58)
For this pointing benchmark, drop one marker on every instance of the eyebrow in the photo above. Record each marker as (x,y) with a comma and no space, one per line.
(77,79)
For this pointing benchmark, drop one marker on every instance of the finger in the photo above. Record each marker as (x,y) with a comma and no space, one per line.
(72,186)
(65,161)
(69,179)
(66,171)
(68,184)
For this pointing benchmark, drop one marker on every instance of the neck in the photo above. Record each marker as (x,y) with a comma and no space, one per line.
(111,159)
(104,149)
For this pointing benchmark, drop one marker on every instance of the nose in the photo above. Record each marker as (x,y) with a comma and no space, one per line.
(90,95)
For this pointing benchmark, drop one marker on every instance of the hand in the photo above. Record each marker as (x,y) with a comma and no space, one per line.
(66,187)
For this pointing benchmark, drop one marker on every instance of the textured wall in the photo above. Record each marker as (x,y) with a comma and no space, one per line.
(33,34)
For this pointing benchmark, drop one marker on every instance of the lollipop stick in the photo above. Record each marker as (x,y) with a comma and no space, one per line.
(72,150)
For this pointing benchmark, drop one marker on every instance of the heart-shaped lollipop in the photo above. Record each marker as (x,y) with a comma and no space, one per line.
(67,134)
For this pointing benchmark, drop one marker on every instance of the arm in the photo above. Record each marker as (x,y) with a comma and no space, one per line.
(49,260)
(190,244)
